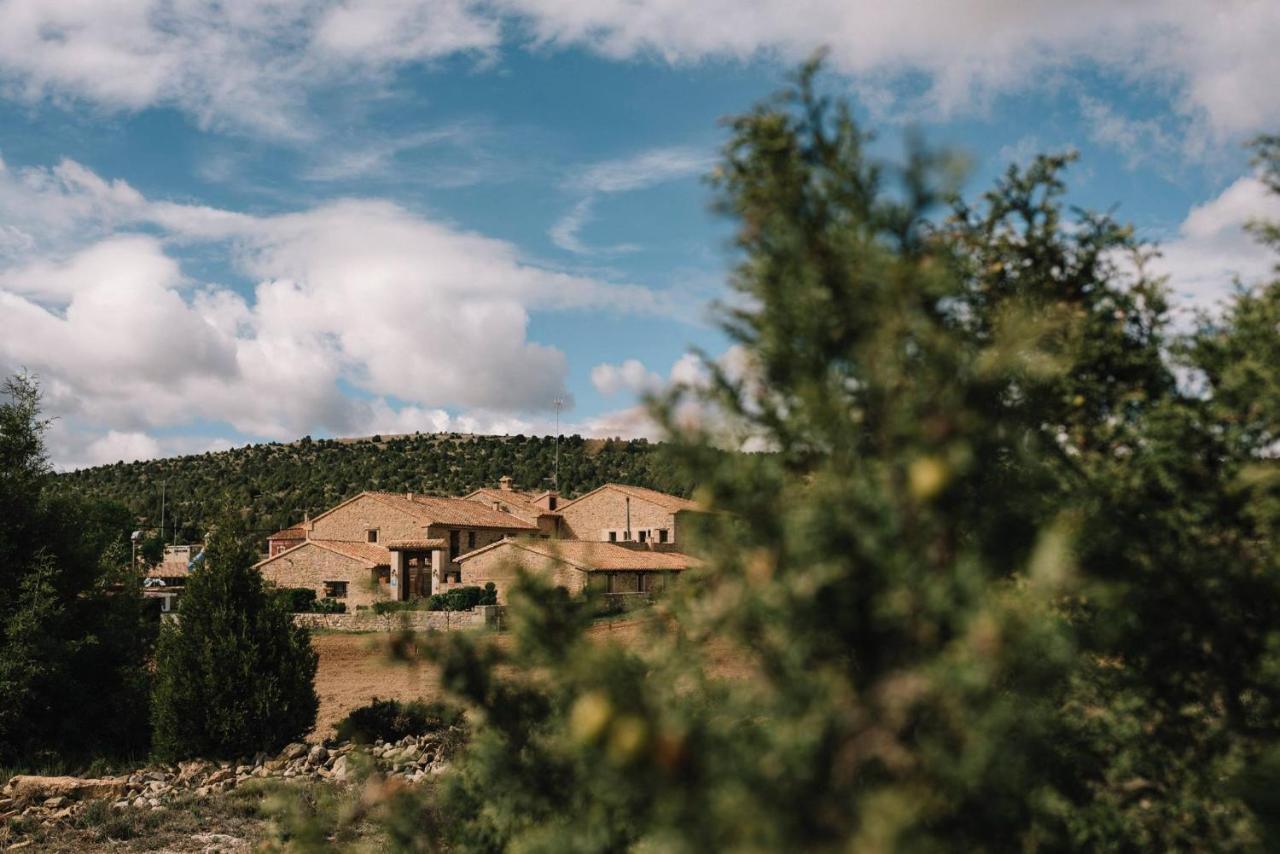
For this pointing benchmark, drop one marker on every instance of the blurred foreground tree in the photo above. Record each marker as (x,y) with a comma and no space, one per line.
(234,675)
(1004,582)
(74,633)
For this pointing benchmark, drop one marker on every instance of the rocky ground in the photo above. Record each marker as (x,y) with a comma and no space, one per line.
(41,813)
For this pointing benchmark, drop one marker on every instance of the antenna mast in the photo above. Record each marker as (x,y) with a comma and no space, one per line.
(558,403)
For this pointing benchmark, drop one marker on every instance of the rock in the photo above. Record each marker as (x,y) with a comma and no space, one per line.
(220,843)
(317,755)
(439,768)
(297,750)
(55,802)
(341,768)
(219,775)
(140,802)
(33,786)
(261,771)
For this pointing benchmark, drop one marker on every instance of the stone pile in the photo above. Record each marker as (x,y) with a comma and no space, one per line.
(52,799)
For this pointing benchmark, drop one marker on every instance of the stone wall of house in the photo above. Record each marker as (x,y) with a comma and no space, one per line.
(418,621)
(352,521)
(594,516)
(483,537)
(502,565)
(311,566)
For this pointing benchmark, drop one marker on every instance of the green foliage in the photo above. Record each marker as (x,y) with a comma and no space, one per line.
(274,485)
(1004,582)
(392,720)
(302,600)
(75,633)
(233,674)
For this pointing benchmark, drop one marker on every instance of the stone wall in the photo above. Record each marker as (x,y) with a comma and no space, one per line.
(311,566)
(593,516)
(501,566)
(351,522)
(418,621)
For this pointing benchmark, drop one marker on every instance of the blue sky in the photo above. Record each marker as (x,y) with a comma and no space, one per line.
(245,221)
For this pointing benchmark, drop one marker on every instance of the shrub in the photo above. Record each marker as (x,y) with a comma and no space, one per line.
(234,675)
(391,720)
(297,600)
(328,606)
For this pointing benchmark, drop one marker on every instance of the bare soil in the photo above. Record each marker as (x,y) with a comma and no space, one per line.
(356,668)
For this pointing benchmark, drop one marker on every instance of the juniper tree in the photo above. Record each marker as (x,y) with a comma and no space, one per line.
(1000,582)
(234,675)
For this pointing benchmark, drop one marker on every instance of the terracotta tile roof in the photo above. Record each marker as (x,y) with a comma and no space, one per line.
(596,557)
(671,503)
(453,512)
(369,554)
(518,503)
(437,543)
(294,532)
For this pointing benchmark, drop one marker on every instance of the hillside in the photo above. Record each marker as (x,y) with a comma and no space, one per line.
(274,484)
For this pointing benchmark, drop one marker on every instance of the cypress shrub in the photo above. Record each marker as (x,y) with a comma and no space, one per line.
(233,675)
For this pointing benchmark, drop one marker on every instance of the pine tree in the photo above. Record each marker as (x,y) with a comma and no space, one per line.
(233,675)
(1000,582)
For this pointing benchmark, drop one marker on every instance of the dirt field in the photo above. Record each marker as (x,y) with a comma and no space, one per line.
(356,668)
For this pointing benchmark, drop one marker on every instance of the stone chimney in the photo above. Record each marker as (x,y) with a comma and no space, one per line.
(504,483)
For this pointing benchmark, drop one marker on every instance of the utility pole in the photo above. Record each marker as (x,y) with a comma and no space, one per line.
(558,403)
(162,511)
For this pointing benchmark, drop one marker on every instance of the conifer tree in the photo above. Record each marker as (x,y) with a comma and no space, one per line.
(1001,581)
(234,675)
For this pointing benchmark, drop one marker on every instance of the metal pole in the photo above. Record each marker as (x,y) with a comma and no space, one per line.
(162,511)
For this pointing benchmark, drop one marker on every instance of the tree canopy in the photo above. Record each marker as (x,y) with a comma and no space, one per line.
(1008,579)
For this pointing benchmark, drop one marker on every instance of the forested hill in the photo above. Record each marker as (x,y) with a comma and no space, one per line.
(273,485)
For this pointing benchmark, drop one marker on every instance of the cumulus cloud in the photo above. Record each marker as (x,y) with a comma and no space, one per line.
(357,292)
(252,63)
(1212,249)
(630,376)
(247,64)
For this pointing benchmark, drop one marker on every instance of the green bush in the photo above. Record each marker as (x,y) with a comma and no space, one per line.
(463,598)
(234,675)
(391,720)
(328,606)
(297,600)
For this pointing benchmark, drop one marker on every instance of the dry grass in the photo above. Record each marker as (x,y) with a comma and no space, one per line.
(356,668)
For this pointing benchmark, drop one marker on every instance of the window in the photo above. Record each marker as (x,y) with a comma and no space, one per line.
(551,503)
(662,535)
(471,541)
(335,590)
(454,544)
(372,534)
(613,536)
(644,536)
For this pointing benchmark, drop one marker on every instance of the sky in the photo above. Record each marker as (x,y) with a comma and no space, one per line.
(233,221)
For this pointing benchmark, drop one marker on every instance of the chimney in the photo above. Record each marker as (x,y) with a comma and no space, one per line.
(504,483)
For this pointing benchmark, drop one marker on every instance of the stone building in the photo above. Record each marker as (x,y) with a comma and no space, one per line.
(417,539)
(381,545)
(618,513)
(573,564)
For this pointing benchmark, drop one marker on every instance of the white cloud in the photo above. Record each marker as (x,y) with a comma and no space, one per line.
(631,376)
(1210,54)
(1212,248)
(357,291)
(646,169)
(240,63)
(253,63)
